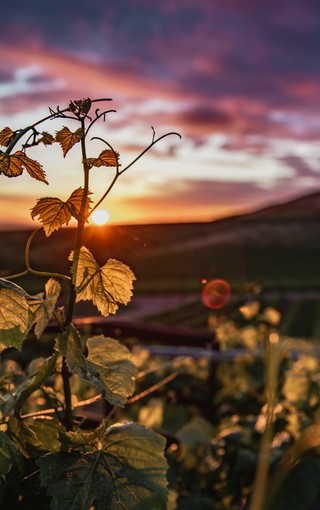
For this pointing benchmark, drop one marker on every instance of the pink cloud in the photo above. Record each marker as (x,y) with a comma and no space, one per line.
(82,78)
(188,199)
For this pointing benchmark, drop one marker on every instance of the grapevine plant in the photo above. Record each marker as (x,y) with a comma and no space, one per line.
(46,458)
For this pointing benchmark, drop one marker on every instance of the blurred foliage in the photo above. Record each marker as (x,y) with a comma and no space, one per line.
(214,415)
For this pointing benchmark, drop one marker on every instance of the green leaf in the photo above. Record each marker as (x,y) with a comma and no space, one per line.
(44,310)
(47,433)
(24,437)
(106,286)
(128,472)
(34,382)
(11,460)
(14,315)
(82,441)
(301,489)
(108,366)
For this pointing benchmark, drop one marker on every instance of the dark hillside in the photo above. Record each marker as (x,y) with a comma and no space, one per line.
(278,245)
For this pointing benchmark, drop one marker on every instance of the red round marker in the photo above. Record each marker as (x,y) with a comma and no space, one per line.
(216,294)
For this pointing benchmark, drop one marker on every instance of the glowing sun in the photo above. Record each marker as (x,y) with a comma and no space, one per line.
(100,217)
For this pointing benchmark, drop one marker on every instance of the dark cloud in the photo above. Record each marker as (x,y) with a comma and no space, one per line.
(205,115)
(239,47)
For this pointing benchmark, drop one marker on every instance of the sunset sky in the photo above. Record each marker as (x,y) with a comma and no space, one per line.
(238,79)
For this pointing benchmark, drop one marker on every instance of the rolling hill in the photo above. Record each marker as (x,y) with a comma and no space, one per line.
(276,246)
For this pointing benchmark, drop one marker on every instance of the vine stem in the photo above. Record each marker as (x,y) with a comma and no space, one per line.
(153,388)
(44,413)
(273,356)
(52,115)
(120,172)
(29,269)
(72,298)
(68,421)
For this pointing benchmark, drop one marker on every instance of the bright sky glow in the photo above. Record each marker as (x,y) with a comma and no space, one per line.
(100,217)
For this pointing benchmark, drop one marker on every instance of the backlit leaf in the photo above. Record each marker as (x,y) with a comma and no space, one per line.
(53,213)
(128,472)
(9,167)
(107,367)
(106,286)
(47,138)
(12,165)
(106,158)
(6,136)
(14,315)
(44,311)
(67,139)
(74,203)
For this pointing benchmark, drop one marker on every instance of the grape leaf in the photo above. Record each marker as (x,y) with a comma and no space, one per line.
(19,311)
(75,200)
(12,165)
(67,139)
(53,213)
(44,308)
(300,491)
(14,315)
(84,441)
(128,472)
(34,381)
(26,439)
(8,167)
(47,431)
(11,462)
(105,286)
(47,138)
(107,367)
(106,158)
(13,402)
(80,107)
(6,136)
